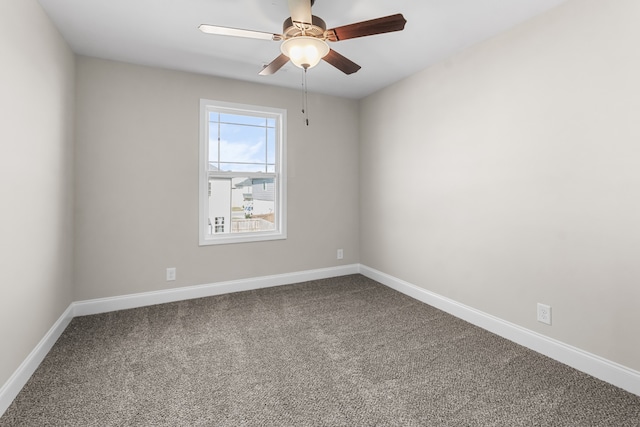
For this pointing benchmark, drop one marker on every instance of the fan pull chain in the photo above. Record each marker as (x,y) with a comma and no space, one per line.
(305,97)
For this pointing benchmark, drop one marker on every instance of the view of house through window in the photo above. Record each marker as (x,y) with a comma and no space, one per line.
(251,207)
(241,151)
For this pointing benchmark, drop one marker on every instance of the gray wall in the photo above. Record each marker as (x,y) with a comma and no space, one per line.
(137,181)
(510,175)
(36,167)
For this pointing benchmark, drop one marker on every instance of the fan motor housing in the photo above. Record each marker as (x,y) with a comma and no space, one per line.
(317,28)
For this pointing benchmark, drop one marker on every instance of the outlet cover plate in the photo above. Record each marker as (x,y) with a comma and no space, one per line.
(544,313)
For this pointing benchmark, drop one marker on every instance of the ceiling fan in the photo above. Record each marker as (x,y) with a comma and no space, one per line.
(304,37)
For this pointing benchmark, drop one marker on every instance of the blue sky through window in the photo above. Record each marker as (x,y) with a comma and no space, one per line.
(242,143)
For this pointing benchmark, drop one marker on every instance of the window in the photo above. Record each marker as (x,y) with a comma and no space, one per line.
(242,174)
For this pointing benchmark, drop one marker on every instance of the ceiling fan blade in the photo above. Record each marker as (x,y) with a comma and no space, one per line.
(300,11)
(275,65)
(237,32)
(342,63)
(386,24)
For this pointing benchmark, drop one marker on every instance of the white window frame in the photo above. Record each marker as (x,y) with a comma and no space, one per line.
(280,232)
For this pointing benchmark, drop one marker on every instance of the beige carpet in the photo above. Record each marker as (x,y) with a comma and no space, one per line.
(338,352)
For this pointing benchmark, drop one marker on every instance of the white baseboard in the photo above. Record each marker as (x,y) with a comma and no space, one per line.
(12,387)
(606,370)
(104,305)
(14,384)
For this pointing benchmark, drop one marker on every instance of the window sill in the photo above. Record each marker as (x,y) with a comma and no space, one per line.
(242,238)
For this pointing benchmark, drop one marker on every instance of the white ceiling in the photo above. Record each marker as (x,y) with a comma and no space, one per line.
(164,33)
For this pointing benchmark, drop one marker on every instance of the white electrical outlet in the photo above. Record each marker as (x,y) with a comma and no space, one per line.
(340,254)
(171,274)
(544,313)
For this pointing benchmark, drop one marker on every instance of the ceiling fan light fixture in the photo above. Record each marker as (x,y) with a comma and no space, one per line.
(304,51)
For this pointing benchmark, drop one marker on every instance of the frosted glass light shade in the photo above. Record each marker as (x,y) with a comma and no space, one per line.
(305,52)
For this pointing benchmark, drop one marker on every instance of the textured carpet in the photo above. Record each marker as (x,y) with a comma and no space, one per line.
(337,352)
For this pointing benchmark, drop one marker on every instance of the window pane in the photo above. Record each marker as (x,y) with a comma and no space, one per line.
(271,123)
(243,120)
(256,197)
(271,145)
(219,220)
(213,142)
(242,144)
(241,205)
(242,167)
